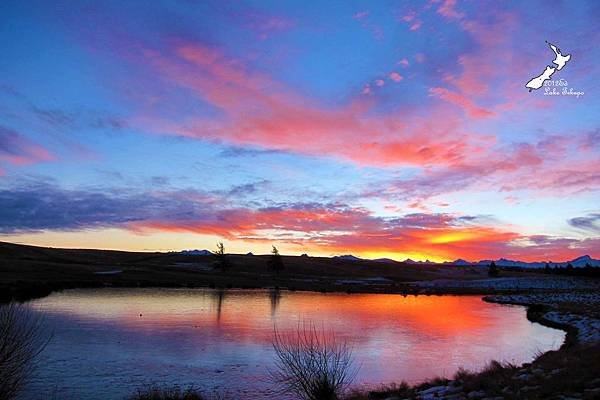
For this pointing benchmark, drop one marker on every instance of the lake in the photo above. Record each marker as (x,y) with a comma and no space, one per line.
(109,342)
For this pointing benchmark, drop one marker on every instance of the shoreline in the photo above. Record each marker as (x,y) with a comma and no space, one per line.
(582,340)
(580,328)
(536,312)
(22,291)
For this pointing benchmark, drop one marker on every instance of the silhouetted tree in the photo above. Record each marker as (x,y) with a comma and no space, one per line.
(547,268)
(569,268)
(493,269)
(275,262)
(588,270)
(221,257)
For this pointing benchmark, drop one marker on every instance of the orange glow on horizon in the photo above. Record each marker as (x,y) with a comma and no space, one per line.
(437,245)
(451,237)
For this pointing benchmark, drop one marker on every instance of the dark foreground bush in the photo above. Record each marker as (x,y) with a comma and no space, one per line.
(22,339)
(167,393)
(312,365)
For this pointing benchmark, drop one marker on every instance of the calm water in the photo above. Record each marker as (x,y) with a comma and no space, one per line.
(108,342)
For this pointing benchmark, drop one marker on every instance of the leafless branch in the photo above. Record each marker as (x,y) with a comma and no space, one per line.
(311,364)
(22,339)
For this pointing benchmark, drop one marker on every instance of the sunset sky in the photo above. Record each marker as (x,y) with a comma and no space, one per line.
(380,129)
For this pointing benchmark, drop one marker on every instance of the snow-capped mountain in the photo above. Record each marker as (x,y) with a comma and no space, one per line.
(460,261)
(348,257)
(385,260)
(578,262)
(583,260)
(409,261)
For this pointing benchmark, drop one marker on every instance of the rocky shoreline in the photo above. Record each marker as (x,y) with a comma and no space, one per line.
(577,314)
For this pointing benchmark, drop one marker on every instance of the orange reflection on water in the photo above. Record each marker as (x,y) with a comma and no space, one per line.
(246,310)
(394,337)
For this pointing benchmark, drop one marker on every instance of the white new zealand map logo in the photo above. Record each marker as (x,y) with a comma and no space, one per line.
(560,62)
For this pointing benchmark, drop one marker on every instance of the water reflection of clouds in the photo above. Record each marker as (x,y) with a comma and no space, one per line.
(393,337)
(244,312)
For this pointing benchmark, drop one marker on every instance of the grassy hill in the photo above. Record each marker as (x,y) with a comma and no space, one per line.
(30,271)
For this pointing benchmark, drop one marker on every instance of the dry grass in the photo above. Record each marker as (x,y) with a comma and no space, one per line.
(493,377)
(402,391)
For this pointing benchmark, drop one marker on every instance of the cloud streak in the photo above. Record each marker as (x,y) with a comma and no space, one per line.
(590,223)
(261,111)
(16,149)
(328,227)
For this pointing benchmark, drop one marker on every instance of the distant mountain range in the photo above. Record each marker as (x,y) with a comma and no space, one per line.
(196,252)
(348,257)
(578,262)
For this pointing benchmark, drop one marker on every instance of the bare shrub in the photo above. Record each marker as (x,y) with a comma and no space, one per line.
(311,364)
(22,339)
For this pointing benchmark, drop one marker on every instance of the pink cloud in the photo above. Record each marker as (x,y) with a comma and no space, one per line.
(325,228)
(264,24)
(363,18)
(447,10)
(479,69)
(409,17)
(403,62)
(566,178)
(361,15)
(475,70)
(396,77)
(509,168)
(412,20)
(416,25)
(257,110)
(379,82)
(328,228)
(18,150)
(260,111)
(462,101)
(276,24)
